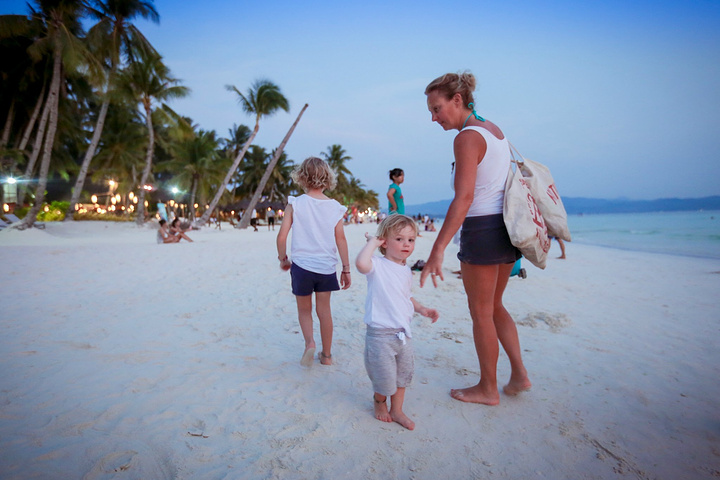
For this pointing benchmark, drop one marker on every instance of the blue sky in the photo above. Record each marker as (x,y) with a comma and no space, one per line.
(618,98)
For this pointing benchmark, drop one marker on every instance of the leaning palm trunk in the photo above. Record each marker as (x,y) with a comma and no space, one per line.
(31,123)
(37,147)
(245,220)
(8,125)
(148,165)
(206,215)
(52,105)
(80,182)
(193,195)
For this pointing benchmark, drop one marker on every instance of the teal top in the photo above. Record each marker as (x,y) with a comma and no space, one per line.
(398,197)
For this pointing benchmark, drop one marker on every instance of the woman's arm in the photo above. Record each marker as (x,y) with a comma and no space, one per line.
(341,243)
(469,149)
(282,238)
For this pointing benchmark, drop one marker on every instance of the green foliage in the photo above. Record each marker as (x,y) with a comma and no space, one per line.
(54,212)
(104,217)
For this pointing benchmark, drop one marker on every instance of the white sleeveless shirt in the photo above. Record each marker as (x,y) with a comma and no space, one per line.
(492,173)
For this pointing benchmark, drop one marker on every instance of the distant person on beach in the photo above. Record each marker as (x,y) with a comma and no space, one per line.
(396,203)
(164,235)
(162,211)
(271,218)
(318,237)
(482,161)
(177,231)
(254,219)
(389,307)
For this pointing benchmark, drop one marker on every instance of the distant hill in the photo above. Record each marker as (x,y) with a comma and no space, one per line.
(580,205)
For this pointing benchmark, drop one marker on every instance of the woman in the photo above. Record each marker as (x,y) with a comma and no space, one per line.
(482,160)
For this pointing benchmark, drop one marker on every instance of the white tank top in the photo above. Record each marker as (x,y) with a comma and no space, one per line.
(492,173)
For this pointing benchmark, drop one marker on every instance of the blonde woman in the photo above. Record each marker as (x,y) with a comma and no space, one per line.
(482,159)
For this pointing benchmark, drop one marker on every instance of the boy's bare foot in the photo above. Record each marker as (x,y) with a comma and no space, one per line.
(514,387)
(475,394)
(307,358)
(325,359)
(381,410)
(403,420)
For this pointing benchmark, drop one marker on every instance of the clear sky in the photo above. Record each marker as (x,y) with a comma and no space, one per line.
(618,98)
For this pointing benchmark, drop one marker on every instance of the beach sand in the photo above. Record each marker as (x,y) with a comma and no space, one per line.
(125,359)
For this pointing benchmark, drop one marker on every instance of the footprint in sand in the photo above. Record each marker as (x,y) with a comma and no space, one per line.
(555,322)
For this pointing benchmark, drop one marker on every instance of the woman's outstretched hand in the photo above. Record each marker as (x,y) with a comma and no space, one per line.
(433,268)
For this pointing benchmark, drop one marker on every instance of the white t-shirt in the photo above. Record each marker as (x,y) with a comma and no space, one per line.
(388,303)
(313,244)
(492,173)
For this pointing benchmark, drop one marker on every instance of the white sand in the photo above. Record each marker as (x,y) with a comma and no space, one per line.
(126,359)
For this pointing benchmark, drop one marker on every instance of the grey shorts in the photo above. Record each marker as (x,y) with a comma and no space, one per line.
(484,240)
(389,363)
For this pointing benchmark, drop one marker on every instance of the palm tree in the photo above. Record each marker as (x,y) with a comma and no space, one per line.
(195,163)
(112,36)
(148,81)
(337,158)
(60,40)
(263,99)
(245,220)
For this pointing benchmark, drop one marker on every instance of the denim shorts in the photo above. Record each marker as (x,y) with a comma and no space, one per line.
(484,240)
(305,282)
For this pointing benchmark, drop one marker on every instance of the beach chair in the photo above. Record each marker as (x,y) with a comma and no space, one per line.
(3,224)
(13,218)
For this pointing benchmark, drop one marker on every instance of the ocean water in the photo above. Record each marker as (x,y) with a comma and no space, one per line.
(695,234)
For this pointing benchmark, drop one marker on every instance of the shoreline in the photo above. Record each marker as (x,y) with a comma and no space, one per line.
(182,361)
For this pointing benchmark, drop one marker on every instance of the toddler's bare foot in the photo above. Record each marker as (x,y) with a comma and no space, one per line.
(381,410)
(403,420)
(517,386)
(475,394)
(325,359)
(307,358)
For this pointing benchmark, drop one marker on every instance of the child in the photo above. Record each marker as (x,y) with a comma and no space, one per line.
(389,307)
(318,236)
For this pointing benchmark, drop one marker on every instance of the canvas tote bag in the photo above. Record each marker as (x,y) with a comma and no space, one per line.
(543,189)
(523,220)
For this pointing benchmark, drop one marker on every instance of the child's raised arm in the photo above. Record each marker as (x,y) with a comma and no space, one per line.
(363,262)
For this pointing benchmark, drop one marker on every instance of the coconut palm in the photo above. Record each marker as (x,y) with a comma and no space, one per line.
(263,99)
(195,164)
(147,82)
(245,220)
(112,37)
(61,29)
(337,158)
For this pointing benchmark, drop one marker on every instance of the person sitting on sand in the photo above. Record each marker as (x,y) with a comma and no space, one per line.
(164,236)
(318,237)
(389,308)
(177,230)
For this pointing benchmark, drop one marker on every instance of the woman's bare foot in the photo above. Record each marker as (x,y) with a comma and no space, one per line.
(403,420)
(475,394)
(308,356)
(517,386)
(325,359)
(381,410)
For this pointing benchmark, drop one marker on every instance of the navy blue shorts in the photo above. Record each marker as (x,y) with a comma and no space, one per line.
(305,282)
(484,240)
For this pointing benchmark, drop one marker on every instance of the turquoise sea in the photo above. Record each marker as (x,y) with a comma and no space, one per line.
(695,234)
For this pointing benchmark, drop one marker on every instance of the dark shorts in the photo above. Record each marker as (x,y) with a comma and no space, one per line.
(484,241)
(305,282)
(271,220)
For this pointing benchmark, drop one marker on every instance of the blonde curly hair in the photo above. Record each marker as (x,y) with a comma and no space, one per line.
(314,172)
(393,224)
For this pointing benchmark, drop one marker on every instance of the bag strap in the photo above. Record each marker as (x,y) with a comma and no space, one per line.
(514,151)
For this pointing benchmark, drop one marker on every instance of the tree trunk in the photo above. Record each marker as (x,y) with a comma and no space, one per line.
(193,193)
(52,105)
(31,123)
(37,148)
(245,220)
(148,166)
(8,125)
(80,182)
(206,214)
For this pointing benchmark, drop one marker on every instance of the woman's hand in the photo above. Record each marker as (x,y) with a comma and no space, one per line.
(433,267)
